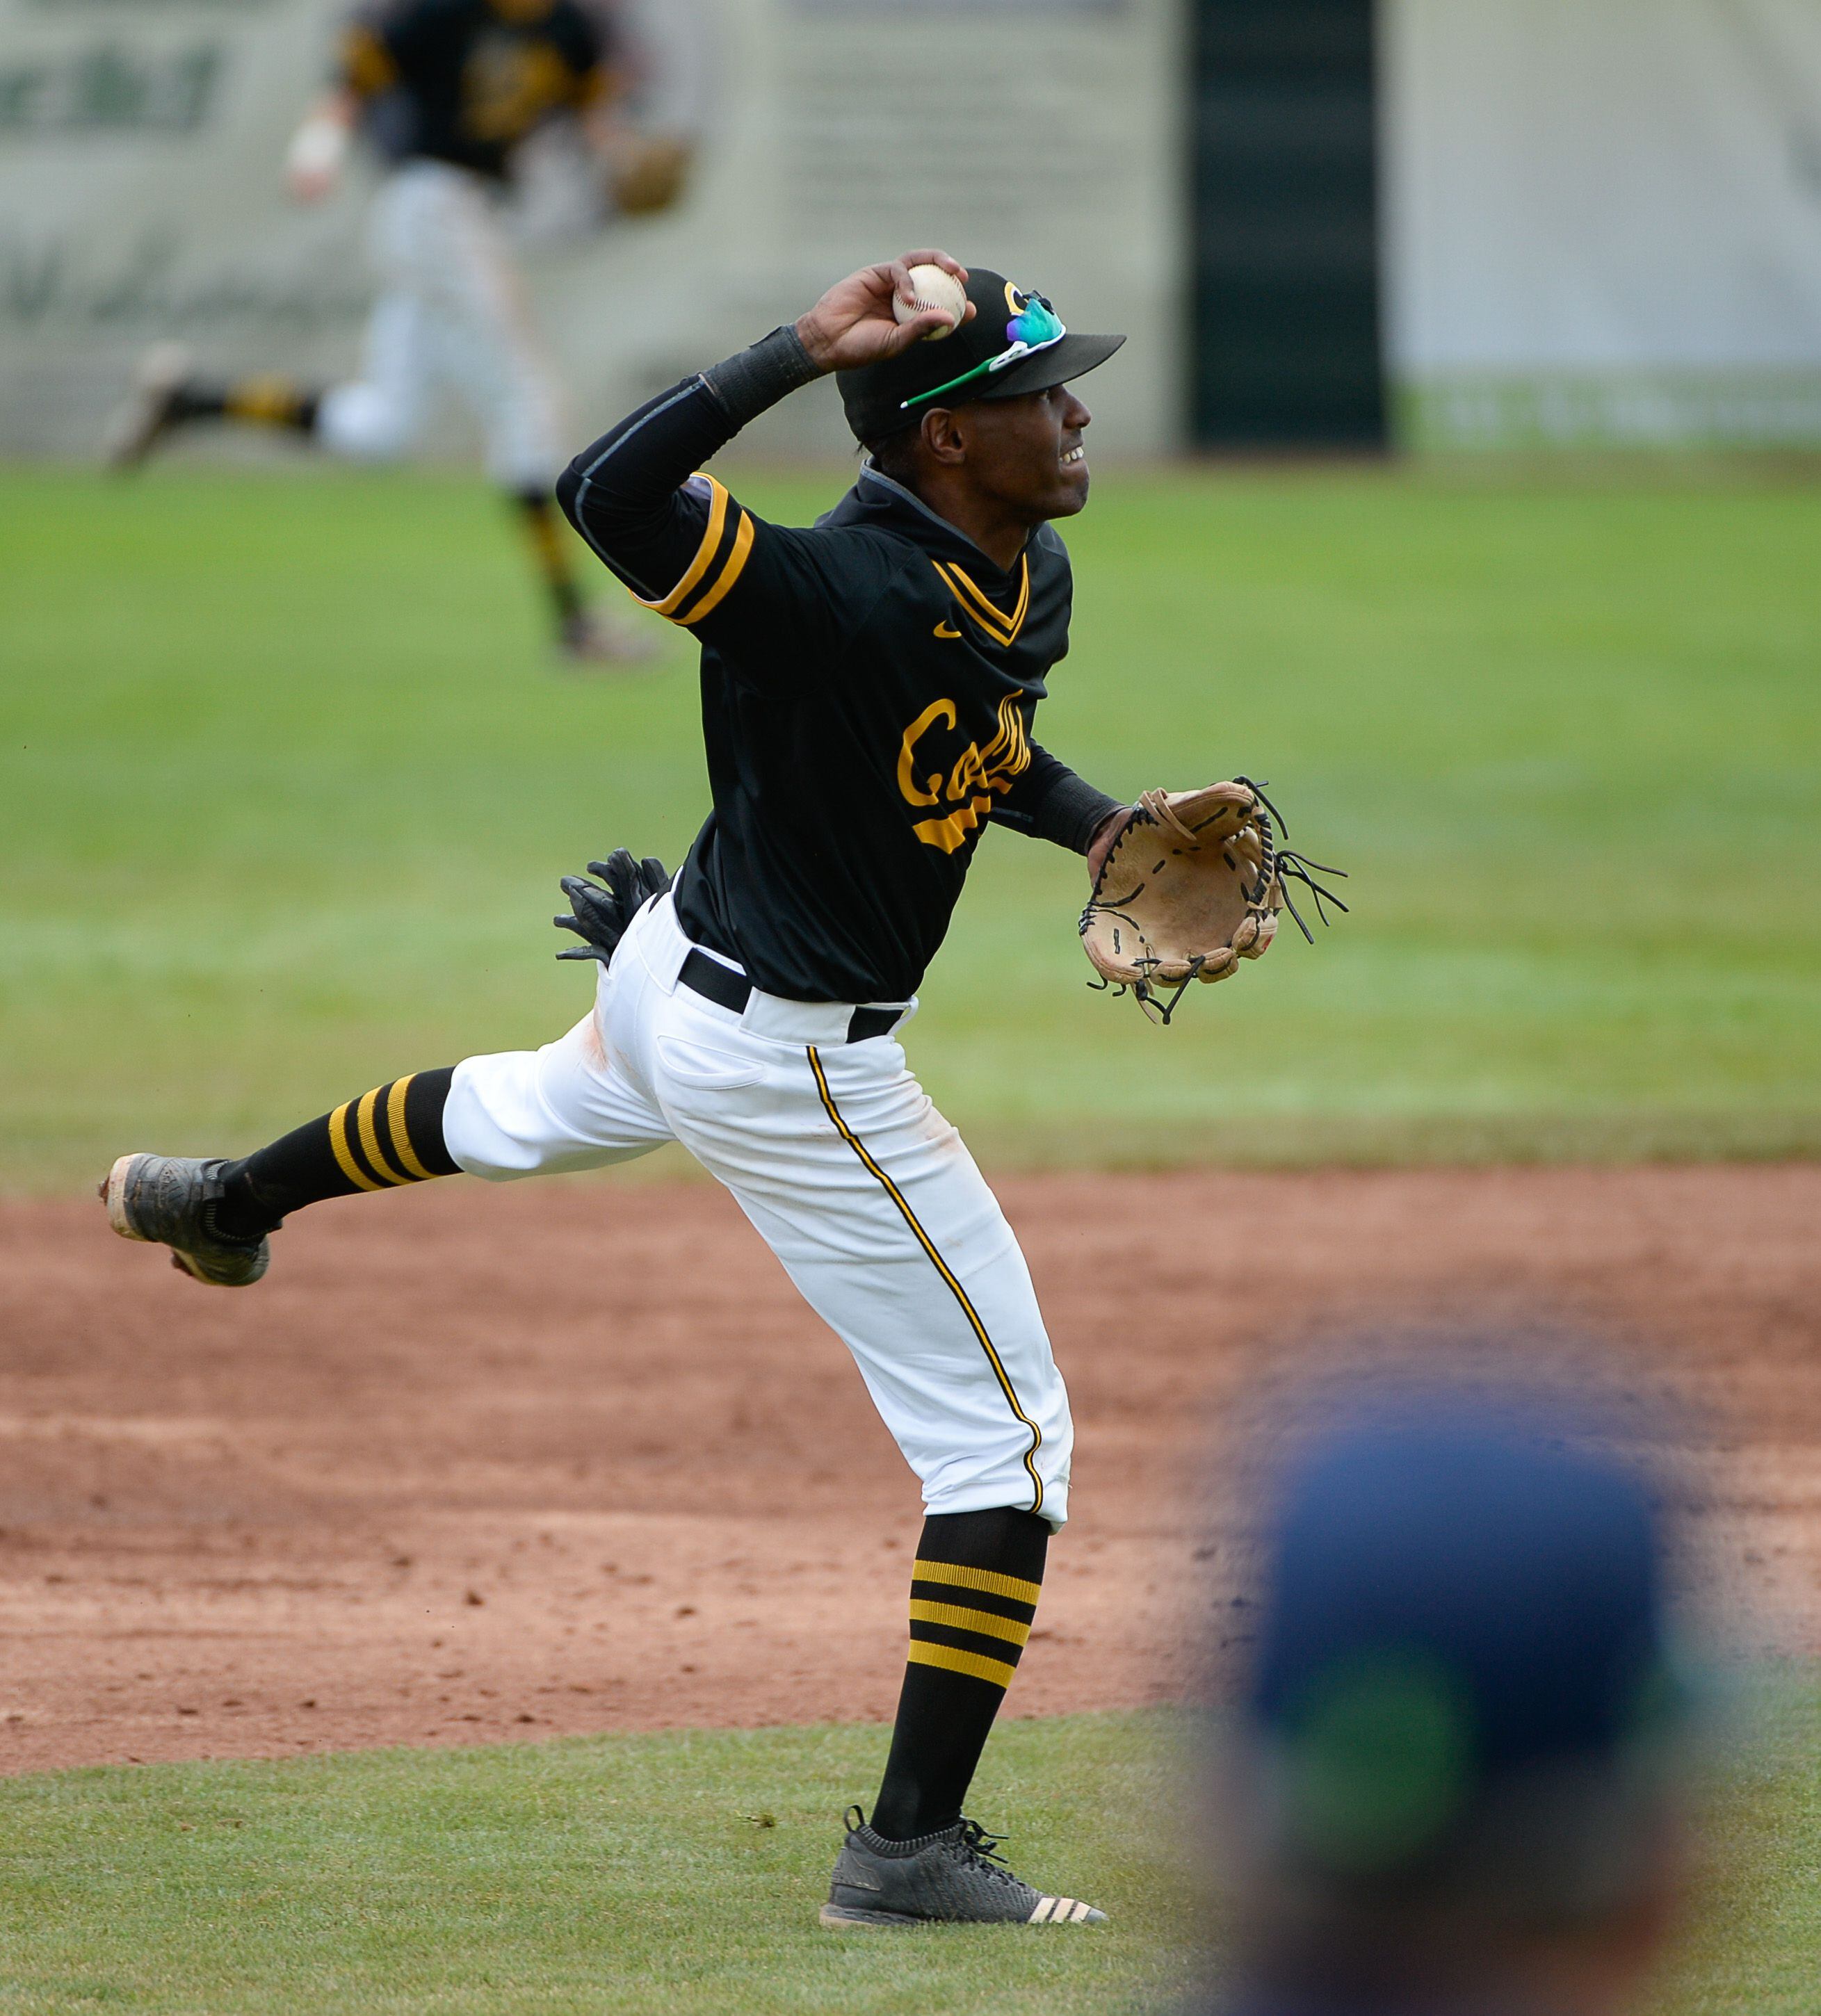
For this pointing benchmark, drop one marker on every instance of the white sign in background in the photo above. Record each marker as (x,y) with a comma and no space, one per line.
(140,143)
(1604,218)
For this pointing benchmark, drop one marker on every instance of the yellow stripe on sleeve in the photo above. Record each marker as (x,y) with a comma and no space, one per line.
(985,1580)
(369,1139)
(711,540)
(736,561)
(401,1137)
(972,1664)
(367,67)
(982,1622)
(338,1140)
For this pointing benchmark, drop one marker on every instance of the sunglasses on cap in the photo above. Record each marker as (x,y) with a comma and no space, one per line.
(1036,326)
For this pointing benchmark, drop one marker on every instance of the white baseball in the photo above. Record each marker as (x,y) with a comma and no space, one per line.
(935,289)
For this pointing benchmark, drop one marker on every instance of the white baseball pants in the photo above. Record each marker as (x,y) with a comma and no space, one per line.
(854,1180)
(451,316)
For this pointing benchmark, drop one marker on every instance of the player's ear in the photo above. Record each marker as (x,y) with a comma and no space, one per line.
(943,437)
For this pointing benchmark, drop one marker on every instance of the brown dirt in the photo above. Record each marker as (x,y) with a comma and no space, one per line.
(474,1465)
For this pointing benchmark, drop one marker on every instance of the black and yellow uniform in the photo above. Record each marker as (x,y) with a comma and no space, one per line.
(868,685)
(465,80)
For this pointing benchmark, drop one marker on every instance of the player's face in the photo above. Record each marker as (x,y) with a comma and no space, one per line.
(1027,454)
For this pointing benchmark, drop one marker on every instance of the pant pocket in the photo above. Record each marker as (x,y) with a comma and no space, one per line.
(703,1068)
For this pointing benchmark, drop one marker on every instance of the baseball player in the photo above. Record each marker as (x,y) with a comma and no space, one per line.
(868,688)
(445,91)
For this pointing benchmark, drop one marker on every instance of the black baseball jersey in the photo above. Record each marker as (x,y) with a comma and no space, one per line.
(868,685)
(465,80)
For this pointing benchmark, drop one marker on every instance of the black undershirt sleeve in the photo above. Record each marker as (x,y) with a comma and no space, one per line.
(622,493)
(787,598)
(1049,802)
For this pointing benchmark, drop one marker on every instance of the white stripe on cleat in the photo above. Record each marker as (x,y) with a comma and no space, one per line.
(1064,1911)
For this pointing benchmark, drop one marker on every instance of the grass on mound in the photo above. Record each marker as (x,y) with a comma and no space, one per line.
(678,1873)
(286,782)
(682,1873)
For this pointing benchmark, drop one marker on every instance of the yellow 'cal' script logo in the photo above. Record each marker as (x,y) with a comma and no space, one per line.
(970,785)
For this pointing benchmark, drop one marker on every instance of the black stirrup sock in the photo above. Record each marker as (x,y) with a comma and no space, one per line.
(974,1591)
(390,1135)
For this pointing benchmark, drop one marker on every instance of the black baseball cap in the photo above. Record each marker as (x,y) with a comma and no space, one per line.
(1015,344)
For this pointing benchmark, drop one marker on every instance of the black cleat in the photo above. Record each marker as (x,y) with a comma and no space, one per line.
(150,410)
(953,1877)
(606,640)
(170,1200)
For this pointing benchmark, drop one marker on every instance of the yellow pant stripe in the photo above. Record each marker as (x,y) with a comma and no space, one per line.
(985,1580)
(958,1619)
(401,1138)
(736,565)
(369,1139)
(344,1154)
(973,1664)
(668,605)
(942,1267)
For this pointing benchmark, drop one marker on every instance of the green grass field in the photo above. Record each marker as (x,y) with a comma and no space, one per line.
(286,785)
(285,788)
(681,1873)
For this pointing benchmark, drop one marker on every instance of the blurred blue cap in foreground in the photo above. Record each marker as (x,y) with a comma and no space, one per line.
(1461,1602)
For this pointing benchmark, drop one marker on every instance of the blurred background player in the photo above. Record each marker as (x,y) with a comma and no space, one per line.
(1456,1783)
(447,92)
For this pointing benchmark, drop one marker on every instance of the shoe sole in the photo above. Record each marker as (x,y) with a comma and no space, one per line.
(113,1193)
(137,423)
(839,1920)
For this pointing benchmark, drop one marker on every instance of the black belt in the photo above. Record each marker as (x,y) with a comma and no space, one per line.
(732,991)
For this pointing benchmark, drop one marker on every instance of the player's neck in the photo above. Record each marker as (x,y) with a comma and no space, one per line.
(1001,532)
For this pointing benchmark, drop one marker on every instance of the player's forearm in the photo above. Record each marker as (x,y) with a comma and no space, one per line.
(1049,801)
(620,493)
(320,147)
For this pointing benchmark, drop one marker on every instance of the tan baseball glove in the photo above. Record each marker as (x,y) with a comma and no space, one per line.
(649,173)
(1193,884)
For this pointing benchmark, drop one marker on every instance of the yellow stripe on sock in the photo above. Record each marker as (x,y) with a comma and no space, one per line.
(983,1579)
(270,399)
(344,1155)
(369,1138)
(972,1664)
(982,1622)
(401,1135)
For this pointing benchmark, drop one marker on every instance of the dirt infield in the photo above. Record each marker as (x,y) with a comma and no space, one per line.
(474,1465)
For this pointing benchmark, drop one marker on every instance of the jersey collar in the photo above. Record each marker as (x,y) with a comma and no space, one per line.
(879,496)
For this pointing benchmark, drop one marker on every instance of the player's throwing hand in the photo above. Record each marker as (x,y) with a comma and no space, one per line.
(854,324)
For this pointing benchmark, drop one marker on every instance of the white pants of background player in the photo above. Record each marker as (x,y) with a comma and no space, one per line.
(852,1177)
(451,317)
